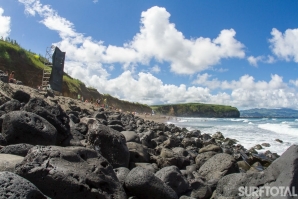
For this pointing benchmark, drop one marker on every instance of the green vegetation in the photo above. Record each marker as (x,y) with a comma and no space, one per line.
(8,49)
(262,112)
(73,84)
(29,66)
(91,88)
(197,110)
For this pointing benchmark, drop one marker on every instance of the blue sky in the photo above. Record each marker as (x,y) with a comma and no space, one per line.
(239,53)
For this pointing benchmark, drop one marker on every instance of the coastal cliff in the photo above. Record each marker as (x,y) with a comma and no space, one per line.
(29,68)
(273,113)
(197,110)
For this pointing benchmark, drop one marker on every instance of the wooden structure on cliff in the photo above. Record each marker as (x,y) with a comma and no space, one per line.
(46,71)
(52,78)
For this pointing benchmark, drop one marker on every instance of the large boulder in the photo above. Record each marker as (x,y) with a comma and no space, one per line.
(53,114)
(144,184)
(173,177)
(14,186)
(12,105)
(282,173)
(75,172)
(218,166)
(110,143)
(25,127)
(138,152)
(203,157)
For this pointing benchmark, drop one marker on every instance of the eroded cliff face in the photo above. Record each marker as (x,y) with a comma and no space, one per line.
(31,76)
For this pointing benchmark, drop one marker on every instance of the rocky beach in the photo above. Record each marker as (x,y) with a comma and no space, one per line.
(59,147)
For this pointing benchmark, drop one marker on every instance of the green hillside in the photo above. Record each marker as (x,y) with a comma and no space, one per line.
(29,66)
(262,112)
(197,110)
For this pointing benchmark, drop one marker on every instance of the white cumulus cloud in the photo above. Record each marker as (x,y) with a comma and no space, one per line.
(158,39)
(294,82)
(4,24)
(155,69)
(246,92)
(254,60)
(285,45)
(246,81)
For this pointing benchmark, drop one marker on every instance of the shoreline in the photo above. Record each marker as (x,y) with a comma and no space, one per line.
(156,118)
(91,148)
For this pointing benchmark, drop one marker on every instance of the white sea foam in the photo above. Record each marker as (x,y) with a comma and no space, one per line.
(249,132)
(238,120)
(287,122)
(282,128)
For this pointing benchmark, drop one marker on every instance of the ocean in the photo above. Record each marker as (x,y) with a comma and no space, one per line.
(248,131)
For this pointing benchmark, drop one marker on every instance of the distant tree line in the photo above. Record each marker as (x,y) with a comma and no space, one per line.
(9,40)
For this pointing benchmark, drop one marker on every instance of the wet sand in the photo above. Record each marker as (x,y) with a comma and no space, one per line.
(155,118)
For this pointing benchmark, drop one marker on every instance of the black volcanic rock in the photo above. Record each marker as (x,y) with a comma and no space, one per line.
(14,186)
(53,114)
(21,96)
(144,184)
(12,105)
(138,152)
(25,127)
(172,177)
(17,149)
(281,173)
(218,166)
(74,139)
(203,157)
(70,172)
(110,143)
(121,173)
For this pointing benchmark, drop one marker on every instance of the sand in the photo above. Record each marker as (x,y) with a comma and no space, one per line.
(155,118)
